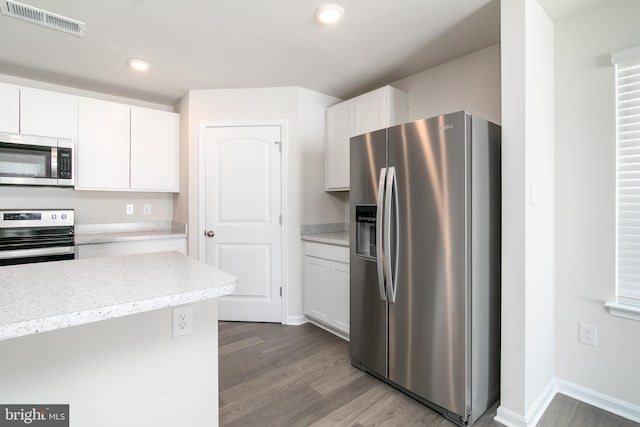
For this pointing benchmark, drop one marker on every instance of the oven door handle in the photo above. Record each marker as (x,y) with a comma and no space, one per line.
(28,253)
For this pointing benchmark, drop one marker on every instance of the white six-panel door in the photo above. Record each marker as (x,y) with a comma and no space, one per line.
(242,218)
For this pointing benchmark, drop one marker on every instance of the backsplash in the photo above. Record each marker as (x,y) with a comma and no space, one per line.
(335,227)
(91,207)
(128,227)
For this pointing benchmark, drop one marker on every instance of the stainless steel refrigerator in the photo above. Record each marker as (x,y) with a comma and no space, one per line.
(425,261)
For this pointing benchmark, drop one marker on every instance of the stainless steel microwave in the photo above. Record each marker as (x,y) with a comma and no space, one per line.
(35,160)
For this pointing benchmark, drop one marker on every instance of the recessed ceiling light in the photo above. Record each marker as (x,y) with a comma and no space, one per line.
(138,64)
(329,14)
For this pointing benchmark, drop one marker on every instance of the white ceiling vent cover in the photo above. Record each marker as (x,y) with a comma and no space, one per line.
(42,17)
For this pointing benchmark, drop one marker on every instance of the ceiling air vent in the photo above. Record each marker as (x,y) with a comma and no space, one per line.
(42,17)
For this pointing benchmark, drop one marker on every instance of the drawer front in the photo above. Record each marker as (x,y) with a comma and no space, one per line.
(326,251)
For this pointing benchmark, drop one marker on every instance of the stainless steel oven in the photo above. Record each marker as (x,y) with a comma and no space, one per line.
(35,160)
(28,236)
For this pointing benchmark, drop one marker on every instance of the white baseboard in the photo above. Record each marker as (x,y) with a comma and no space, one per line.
(296,320)
(591,397)
(509,418)
(512,419)
(606,403)
(542,403)
(330,329)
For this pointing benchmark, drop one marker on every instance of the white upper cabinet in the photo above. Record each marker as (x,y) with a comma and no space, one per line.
(374,110)
(126,148)
(155,150)
(103,145)
(118,147)
(336,151)
(370,112)
(46,113)
(9,108)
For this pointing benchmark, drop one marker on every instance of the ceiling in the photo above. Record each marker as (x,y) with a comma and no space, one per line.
(560,9)
(211,44)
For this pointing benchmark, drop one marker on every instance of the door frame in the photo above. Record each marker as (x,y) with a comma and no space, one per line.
(284,199)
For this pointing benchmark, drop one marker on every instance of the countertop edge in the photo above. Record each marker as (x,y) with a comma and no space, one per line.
(97,238)
(36,326)
(323,238)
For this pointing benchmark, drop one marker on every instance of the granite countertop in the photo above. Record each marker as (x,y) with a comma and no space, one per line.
(109,233)
(46,296)
(340,238)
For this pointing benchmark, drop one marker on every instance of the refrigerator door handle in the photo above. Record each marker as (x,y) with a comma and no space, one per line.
(379,225)
(390,273)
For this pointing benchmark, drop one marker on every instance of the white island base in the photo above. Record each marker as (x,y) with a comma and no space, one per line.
(127,371)
(120,371)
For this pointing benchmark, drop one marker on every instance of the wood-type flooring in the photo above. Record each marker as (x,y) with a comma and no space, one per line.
(275,375)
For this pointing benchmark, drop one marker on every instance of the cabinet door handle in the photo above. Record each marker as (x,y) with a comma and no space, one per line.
(209,233)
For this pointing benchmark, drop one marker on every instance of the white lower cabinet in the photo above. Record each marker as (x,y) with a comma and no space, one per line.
(326,286)
(94,250)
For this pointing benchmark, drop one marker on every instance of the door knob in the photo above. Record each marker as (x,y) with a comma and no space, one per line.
(209,233)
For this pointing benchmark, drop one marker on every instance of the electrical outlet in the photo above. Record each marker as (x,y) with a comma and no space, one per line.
(588,334)
(129,209)
(182,320)
(146,209)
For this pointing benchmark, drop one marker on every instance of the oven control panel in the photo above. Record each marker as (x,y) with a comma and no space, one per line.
(36,218)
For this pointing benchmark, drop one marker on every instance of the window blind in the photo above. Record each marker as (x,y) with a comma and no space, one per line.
(627,64)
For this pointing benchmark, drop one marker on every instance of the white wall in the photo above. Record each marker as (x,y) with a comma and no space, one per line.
(585,214)
(471,82)
(92,207)
(512,369)
(5,78)
(306,200)
(181,200)
(317,206)
(540,203)
(527,366)
(127,371)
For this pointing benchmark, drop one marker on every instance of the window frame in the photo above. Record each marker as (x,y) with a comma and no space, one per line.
(627,300)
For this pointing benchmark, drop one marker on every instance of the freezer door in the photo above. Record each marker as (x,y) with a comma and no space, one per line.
(428,330)
(368,311)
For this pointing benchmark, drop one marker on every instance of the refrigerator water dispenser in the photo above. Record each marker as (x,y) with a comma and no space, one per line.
(366,231)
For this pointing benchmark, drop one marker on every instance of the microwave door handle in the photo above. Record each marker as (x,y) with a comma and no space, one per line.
(379,253)
(54,162)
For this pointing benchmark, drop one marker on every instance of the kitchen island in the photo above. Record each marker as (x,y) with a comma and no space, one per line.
(108,349)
